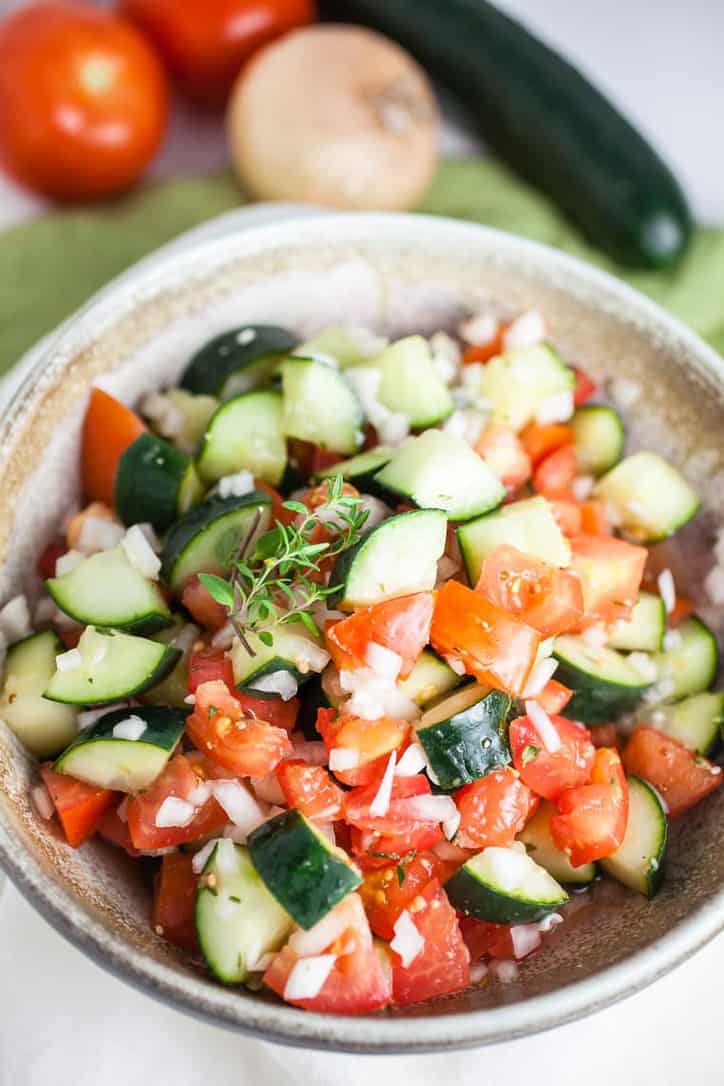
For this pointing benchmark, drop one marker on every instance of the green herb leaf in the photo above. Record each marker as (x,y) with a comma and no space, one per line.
(219,589)
(266,638)
(400,874)
(529,753)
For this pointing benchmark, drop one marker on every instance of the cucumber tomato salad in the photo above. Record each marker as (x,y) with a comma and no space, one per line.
(358,646)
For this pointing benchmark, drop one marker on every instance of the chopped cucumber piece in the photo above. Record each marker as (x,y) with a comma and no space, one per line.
(599,438)
(439,471)
(429,679)
(651,498)
(238,360)
(106,589)
(313,698)
(504,886)
(466,735)
(209,536)
(691,667)
(538,840)
(696,721)
(290,651)
(306,874)
(245,432)
(519,382)
(112,666)
(196,412)
(410,384)
(43,726)
(638,862)
(528,525)
(320,406)
(99,757)
(362,468)
(604,684)
(174,689)
(348,345)
(155,482)
(396,558)
(644,631)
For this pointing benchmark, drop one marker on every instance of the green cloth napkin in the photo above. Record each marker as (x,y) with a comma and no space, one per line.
(49,266)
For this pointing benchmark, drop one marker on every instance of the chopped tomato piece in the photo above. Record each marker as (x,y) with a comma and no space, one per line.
(682,776)
(594,520)
(180,778)
(203,607)
(483,352)
(278,512)
(114,829)
(485,940)
(215,666)
(592,819)
(317,496)
(683,607)
(501,449)
(174,902)
(554,697)
(50,554)
(371,740)
(604,735)
(401,625)
(545,770)
(79,805)
(544,597)
(493,810)
(388,891)
(492,646)
(208,666)
(541,439)
(310,789)
(220,727)
(109,427)
(556,472)
(360,980)
(373,850)
(585,387)
(443,963)
(357,805)
(567,512)
(611,572)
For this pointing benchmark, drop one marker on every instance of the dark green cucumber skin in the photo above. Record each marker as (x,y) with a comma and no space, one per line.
(544,119)
(278,663)
(212,365)
(595,701)
(303,876)
(312,700)
(187,527)
(164,667)
(164,727)
(475,899)
(469,745)
(148,480)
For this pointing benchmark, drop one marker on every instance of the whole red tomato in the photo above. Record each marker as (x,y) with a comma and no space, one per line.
(83,100)
(205,43)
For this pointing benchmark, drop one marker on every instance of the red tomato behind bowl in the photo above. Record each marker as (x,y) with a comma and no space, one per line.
(83,100)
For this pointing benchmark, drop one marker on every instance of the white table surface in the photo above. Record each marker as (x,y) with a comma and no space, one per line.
(65,1022)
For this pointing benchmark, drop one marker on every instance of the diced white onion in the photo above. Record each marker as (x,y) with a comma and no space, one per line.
(642,663)
(446,356)
(505,971)
(582,487)
(478,329)
(185,639)
(667,589)
(165,415)
(549,922)
(199,859)
(380,805)
(525,939)
(545,648)
(451,825)
(373,696)
(544,726)
(224,637)
(383,661)
(413,761)
(427,808)
(68,562)
(376,510)
(467,423)
(201,794)
(42,802)
(408,942)
(236,485)
(310,750)
(132,728)
(226,857)
(714,585)
(261,963)
(366,382)
(527,330)
(308,656)
(69,661)
(88,717)
(174,812)
(558,408)
(341,758)
(349,913)
(624,391)
(98,534)
(151,538)
(15,619)
(308,977)
(122,809)
(596,636)
(457,665)
(44,611)
(478,972)
(393,428)
(282,683)
(190,699)
(140,553)
(509,867)
(238,804)
(542,672)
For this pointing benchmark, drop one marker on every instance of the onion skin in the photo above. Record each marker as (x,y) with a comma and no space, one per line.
(334,115)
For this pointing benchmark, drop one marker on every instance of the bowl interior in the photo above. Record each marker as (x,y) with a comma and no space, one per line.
(396,274)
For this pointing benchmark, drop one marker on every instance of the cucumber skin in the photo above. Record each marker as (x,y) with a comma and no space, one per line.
(596,701)
(455,748)
(476,899)
(196,520)
(307,885)
(149,479)
(165,666)
(545,120)
(164,728)
(209,368)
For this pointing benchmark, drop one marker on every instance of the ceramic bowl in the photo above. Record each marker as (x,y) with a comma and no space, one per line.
(395,273)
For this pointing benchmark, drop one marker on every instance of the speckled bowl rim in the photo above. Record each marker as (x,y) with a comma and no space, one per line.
(278,1022)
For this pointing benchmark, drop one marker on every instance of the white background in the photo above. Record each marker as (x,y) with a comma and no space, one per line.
(64,1022)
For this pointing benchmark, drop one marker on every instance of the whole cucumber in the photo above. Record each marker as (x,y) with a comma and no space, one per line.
(544,119)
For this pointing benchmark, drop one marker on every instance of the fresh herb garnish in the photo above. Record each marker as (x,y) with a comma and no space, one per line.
(272,576)
(529,753)
(400,874)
